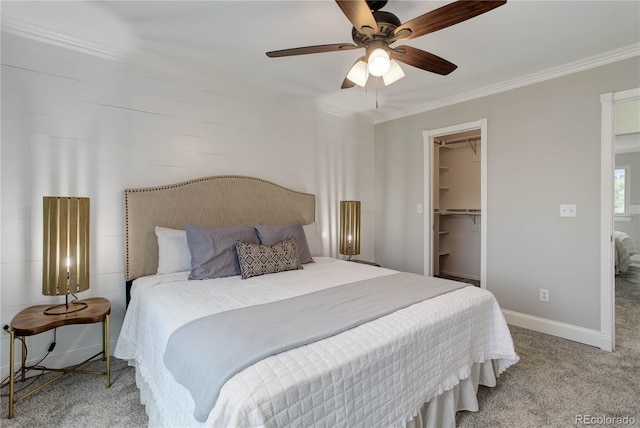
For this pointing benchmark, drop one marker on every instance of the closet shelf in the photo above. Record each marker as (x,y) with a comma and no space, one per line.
(454,211)
(445,144)
(473,213)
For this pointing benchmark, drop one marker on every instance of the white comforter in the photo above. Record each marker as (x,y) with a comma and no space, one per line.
(378,374)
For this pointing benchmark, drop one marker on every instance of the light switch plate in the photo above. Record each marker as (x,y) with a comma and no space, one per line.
(567,210)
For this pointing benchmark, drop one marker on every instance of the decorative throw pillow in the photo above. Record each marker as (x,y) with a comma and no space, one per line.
(269,235)
(260,259)
(213,250)
(173,250)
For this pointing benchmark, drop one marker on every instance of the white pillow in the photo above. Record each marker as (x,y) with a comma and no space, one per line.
(314,240)
(173,250)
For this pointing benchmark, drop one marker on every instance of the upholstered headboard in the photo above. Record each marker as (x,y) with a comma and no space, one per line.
(217,201)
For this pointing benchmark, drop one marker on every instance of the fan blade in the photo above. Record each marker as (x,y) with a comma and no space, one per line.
(446,16)
(359,14)
(424,60)
(312,49)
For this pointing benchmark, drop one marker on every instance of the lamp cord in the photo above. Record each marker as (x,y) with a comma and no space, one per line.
(5,381)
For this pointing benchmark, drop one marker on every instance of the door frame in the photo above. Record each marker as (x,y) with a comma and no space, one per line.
(607,226)
(428,137)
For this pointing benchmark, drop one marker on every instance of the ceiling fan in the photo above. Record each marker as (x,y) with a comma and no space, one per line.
(376,30)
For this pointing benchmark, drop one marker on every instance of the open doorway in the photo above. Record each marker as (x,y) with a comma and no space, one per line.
(455,183)
(612,105)
(626,200)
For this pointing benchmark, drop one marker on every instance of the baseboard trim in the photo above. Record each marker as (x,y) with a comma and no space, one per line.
(555,328)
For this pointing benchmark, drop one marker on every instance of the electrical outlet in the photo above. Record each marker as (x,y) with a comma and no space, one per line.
(544,295)
(567,210)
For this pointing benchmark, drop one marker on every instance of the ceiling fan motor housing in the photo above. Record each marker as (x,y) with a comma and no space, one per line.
(387,23)
(376,4)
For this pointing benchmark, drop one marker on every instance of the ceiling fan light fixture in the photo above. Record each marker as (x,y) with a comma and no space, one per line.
(379,62)
(375,30)
(394,74)
(359,73)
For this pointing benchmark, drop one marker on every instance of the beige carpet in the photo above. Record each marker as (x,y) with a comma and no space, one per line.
(555,382)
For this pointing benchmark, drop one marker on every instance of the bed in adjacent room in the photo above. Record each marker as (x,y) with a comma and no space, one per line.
(625,249)
(411,361)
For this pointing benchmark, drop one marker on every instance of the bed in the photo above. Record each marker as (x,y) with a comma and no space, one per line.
(625,249)
(414,366)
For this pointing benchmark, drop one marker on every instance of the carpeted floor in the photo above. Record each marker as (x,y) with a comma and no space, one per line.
(556,380)
(81,401)
(555,383)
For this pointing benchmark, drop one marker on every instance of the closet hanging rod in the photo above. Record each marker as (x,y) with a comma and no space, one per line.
(457,140)
(468,140)
(471,212)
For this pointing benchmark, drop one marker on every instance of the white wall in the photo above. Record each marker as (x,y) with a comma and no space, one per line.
(543,151)
(79,125)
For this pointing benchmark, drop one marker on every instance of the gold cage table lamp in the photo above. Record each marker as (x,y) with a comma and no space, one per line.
(349,228)
(65,262)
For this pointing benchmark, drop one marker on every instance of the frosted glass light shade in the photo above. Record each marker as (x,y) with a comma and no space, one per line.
(379,62)
(394,74)
(359,73)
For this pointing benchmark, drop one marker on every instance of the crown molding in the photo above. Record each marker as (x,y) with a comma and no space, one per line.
(23,28)
(29,30)
(616,55)
(26,29)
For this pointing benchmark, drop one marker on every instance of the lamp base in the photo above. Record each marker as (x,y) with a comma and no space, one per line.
(65,308)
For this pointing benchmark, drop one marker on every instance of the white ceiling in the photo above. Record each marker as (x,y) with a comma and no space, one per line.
(229,39)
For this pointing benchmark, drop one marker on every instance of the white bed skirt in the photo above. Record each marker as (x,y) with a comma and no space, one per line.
(439,412)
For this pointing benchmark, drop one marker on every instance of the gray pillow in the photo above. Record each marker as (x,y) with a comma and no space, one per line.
(260,259)
(269,235)
(213,250)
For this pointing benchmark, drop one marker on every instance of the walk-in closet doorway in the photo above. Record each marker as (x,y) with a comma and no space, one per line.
(455,195)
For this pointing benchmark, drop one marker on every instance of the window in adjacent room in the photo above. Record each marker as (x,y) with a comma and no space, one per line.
(621,190)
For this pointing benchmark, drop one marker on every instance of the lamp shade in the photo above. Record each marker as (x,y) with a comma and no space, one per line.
(349,228)
(65,262)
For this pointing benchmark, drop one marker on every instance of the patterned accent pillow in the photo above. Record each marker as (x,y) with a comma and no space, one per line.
(260,259)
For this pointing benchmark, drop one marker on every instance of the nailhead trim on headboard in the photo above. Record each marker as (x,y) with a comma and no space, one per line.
(272,204)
